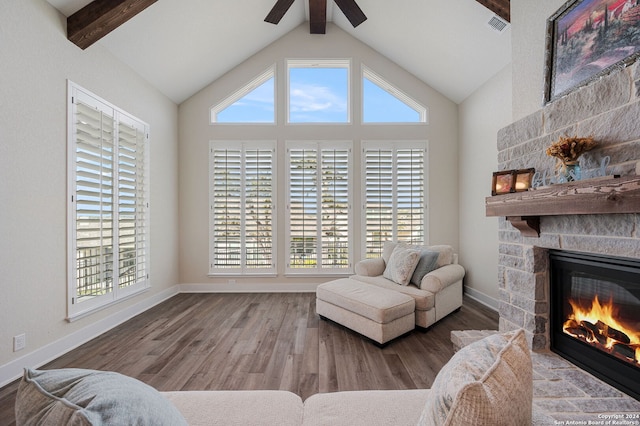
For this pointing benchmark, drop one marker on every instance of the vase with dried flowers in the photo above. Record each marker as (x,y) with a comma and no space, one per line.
(568,151)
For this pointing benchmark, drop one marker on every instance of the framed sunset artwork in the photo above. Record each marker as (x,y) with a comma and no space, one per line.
(587,39)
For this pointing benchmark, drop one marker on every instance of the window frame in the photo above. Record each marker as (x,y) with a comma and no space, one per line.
(317,63)
(243,270)
(395,145)
(259,80)
(75,308)
(319,269)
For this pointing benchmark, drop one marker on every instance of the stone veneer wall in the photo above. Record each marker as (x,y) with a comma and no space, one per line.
(609,110)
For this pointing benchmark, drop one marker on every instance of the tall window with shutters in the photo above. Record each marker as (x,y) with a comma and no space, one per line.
(318,207)
(243,196)
(393,194)
(108,204)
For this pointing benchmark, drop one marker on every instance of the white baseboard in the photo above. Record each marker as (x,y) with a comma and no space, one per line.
(248,288)
(14,369)
(480,297)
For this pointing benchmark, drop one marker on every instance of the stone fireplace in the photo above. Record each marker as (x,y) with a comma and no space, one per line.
(609,111)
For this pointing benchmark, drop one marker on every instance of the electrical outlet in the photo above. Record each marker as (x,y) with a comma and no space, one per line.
(19,342)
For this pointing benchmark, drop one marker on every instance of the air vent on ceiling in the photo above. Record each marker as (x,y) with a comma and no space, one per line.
(498,24)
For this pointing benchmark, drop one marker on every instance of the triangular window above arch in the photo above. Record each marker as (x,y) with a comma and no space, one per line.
(253,103)
(383,103)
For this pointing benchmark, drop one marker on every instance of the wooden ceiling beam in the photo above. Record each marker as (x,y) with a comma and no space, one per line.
(318,16)
(502,8)
(100,17)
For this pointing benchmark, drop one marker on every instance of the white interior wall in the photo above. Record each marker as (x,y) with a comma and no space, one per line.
(528,33)
(481,115)
(196,132)
(36,60)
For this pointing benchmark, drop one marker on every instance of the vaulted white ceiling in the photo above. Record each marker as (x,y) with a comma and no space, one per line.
(180,46)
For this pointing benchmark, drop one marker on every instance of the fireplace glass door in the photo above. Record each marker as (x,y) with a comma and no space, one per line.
(595,316)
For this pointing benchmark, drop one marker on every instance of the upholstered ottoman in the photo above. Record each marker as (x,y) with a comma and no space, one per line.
(375,312)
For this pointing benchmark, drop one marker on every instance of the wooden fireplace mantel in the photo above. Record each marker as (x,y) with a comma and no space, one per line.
(607,195)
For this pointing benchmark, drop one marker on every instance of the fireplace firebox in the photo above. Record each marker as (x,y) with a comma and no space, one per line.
(595,316)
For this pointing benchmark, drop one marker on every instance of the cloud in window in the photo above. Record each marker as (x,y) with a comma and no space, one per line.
(256,106)
(313,103)
(318,95)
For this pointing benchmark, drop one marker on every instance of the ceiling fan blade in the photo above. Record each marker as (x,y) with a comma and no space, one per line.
(278,11)
(352,11)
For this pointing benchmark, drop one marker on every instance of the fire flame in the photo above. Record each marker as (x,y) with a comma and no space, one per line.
(603,313)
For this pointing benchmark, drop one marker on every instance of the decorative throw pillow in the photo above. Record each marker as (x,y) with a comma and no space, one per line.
(446,255)
(489,382)
(401,264)
(387,249)
(90,397)
(427,263)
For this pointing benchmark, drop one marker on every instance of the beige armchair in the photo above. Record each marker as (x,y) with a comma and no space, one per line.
(435,282)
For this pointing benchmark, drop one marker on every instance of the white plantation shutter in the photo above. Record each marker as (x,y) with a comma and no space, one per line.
(319,207)
(94,189)
(108,181)
(242,186)
(335,218)
(303,208)
(132,202)
(227,207)
(394,194)
(378,196)
(410,195)
(259,223)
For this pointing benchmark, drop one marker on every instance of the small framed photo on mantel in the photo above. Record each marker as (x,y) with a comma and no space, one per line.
(508,181)
(524,179)
(503,182)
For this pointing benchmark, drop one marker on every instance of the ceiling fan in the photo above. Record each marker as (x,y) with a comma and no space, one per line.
(318,13)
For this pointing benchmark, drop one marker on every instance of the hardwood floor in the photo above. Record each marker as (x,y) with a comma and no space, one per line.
(261,341)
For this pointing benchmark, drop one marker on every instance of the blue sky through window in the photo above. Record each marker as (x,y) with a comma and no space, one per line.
(318,95)
(256,106)
(380,106)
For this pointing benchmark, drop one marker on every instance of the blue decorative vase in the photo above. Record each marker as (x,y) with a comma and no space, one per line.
(571,171)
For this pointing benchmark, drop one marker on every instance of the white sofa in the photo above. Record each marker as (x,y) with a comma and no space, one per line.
(439,292)
(489,382)
(283,408)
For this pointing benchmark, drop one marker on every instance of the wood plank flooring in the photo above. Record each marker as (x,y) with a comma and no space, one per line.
(261,341)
